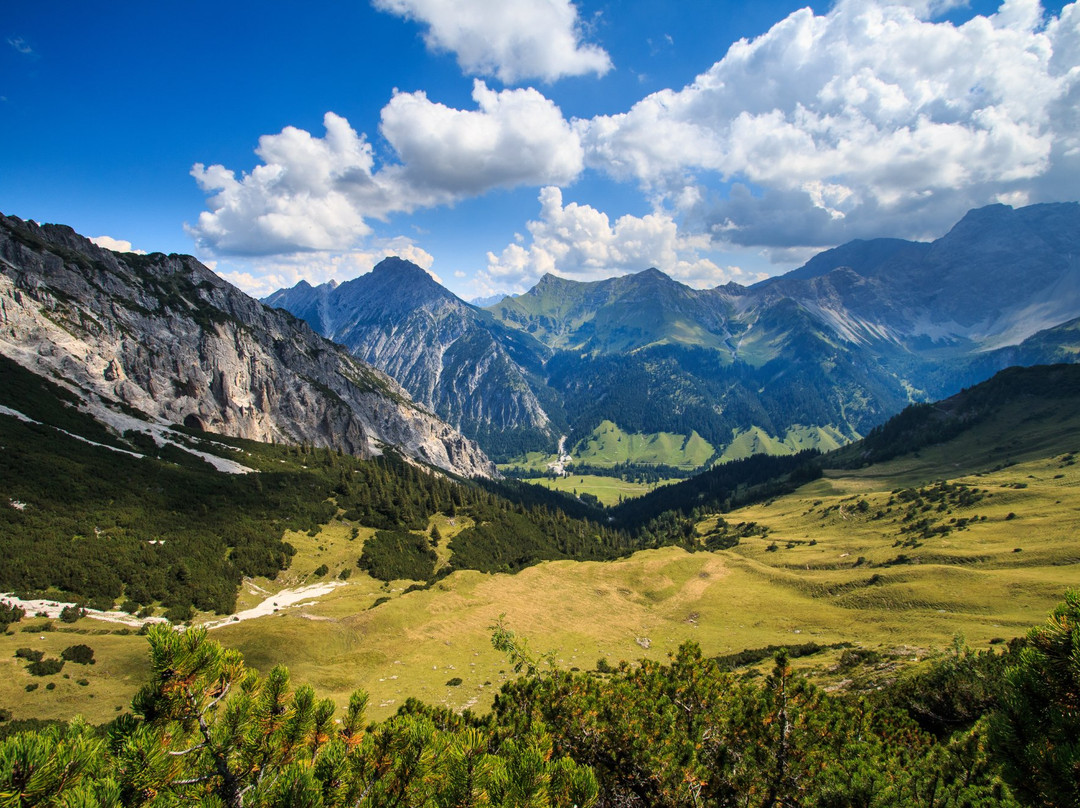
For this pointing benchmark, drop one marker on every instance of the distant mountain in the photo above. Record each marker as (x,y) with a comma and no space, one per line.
(618,315)
(163,339)
(489,300)
(653,355)
(808,359)
(998,277)
(842,342)
(457,360)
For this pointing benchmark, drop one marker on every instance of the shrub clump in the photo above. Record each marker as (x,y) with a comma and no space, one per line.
(80,654)
(70,614)
(179,613)
(45,667)
(854,657)
(9,614)
(392,555)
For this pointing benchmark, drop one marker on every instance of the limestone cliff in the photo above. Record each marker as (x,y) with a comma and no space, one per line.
(165,336)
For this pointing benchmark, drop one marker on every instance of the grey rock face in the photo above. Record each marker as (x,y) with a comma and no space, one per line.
(167,337)
(451,357)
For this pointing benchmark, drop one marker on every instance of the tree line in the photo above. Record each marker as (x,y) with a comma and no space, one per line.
(165,530)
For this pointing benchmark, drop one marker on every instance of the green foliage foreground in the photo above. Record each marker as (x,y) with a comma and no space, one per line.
(208,730)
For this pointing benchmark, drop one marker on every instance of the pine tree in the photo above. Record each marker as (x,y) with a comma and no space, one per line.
(1036,734)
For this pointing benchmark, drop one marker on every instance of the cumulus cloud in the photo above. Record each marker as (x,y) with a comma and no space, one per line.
(316,194)
(306,195)
(116,245)
(512,40)
(514,137)
(580,242)
(870,119)
(260,277)
(876,118)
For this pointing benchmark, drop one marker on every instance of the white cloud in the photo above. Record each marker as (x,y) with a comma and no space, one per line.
(580,242)
(509,39)
(316,194)
(928,9)
(304,196)
(116,245)
(868,120)
(260,277)
(515,137)
(20,45)
(873,119)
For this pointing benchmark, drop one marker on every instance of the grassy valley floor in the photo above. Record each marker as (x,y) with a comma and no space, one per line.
(828,570)
(608,490)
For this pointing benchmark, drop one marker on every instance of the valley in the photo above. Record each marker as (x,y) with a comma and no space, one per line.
(540,404)
(291,509)
(837,563)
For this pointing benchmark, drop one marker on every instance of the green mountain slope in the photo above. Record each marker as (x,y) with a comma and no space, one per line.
(1019,412)
(837,346)
(616,316)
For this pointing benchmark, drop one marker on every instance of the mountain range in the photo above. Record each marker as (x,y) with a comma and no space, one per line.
(458,360)
(145,342)
(815,357)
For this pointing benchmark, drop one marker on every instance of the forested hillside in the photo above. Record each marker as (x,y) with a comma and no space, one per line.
(108,519)
(112,519)
(921,425)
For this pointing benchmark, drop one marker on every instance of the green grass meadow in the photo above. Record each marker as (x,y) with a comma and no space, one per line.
(609,490)
(608,445)
(841,561)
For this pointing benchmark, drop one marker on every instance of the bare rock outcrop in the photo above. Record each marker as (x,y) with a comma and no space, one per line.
(165,336)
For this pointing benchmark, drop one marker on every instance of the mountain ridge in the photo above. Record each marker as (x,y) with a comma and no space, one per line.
(841,343)
(166,337)
(452,357)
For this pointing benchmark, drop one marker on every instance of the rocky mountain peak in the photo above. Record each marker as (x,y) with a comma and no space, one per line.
(549,280)
(980,221)
(165,336)
(398,270)
(393,287)
(449,355)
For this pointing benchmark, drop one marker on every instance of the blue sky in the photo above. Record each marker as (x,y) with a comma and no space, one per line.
(494,140)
